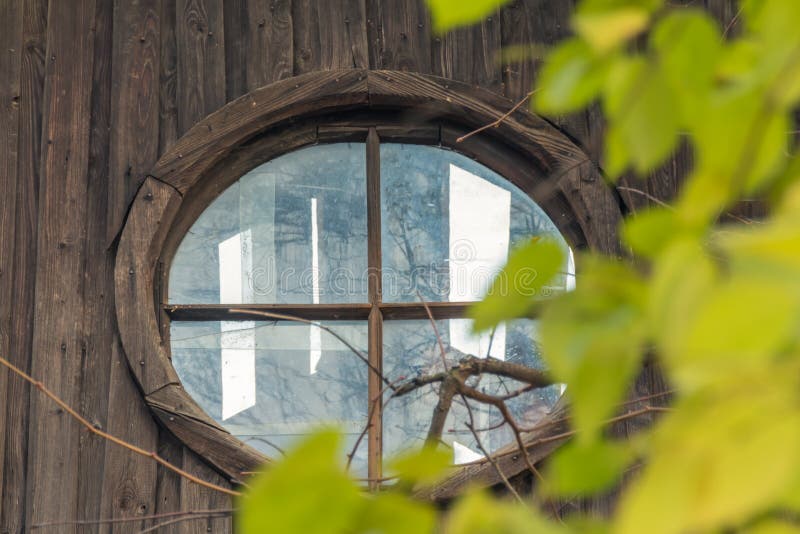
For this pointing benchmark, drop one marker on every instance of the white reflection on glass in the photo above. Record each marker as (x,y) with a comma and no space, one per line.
(237,344)
(478,248)
(272,201)
(448,224)
(290,401)
(314,334)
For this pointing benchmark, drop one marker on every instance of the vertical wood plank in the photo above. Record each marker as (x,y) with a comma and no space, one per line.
(329,35)
(402,35)
(10,56)
(32,44)
(525,23)
(168,483)
(135,108)
(269,42)
(168,101)
(129,484)
(236,54)
(471,54)
(61,256)
(201,60)
(194,497)
(98,327)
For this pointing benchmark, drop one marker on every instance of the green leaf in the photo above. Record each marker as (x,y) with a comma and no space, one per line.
(682,277)
(726,335)
(423,466)
(393,513)
(572,77)
(529,270)
(476,513)
(592,340)
(689,46)
(448,14)
(719,458)
(606,24)
(641,110)
(581,468)
(650,231)
(307,491)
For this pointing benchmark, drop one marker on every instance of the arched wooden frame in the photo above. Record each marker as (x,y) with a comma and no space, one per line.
(320,107)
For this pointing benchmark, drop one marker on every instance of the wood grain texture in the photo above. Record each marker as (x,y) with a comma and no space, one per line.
(269,42)
(58,344)
(98,303)
(168,483)
(401,35)
(135,103)
(218,134)
(32,48)
(152,211)
(129,481)
(10,59)
(329,35)
(236,53)
(471,54)
(525,23)
(168,77)
(194,497)
(178,412)
(201,60)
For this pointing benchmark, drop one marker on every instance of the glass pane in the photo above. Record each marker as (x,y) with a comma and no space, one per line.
(292,230)
(448,224)
(410,349)
(269,383)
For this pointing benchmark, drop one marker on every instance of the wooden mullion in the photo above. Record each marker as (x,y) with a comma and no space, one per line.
(375,382)
(416,310)
(222,312)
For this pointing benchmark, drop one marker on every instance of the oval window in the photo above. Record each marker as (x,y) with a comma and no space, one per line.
(319,246)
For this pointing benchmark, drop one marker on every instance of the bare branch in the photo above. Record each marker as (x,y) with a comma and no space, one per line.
(331,331)
(500,120)
(136,519)
(113,439)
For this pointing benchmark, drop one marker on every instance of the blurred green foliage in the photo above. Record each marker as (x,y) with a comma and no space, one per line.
(718,305)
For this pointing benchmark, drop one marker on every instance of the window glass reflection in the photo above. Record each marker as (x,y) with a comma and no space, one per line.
(269,383)
(292,230)
(411,349)
(448,224)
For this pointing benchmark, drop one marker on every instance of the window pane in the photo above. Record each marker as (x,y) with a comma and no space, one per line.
(292,230)
(269,383)
(411,349)
(448,224)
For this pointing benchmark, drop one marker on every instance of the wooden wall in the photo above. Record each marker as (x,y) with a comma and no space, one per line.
(92,92)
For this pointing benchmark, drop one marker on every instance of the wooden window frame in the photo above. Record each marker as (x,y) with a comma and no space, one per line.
(334,106)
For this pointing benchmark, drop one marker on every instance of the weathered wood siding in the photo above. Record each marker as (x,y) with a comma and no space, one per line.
(92,92)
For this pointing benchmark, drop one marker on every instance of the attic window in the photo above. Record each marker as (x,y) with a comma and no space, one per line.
(354,236)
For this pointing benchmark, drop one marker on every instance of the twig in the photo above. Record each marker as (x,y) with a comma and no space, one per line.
(456,380)
(373,406)
(646,195)
(489,457)
(500,120)
(501,405)
(731,23)
(152,517)
(331,331)
(163,524)
(113,439)
(442,351)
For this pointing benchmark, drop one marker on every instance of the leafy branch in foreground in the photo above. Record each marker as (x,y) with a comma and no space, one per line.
(716,305)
